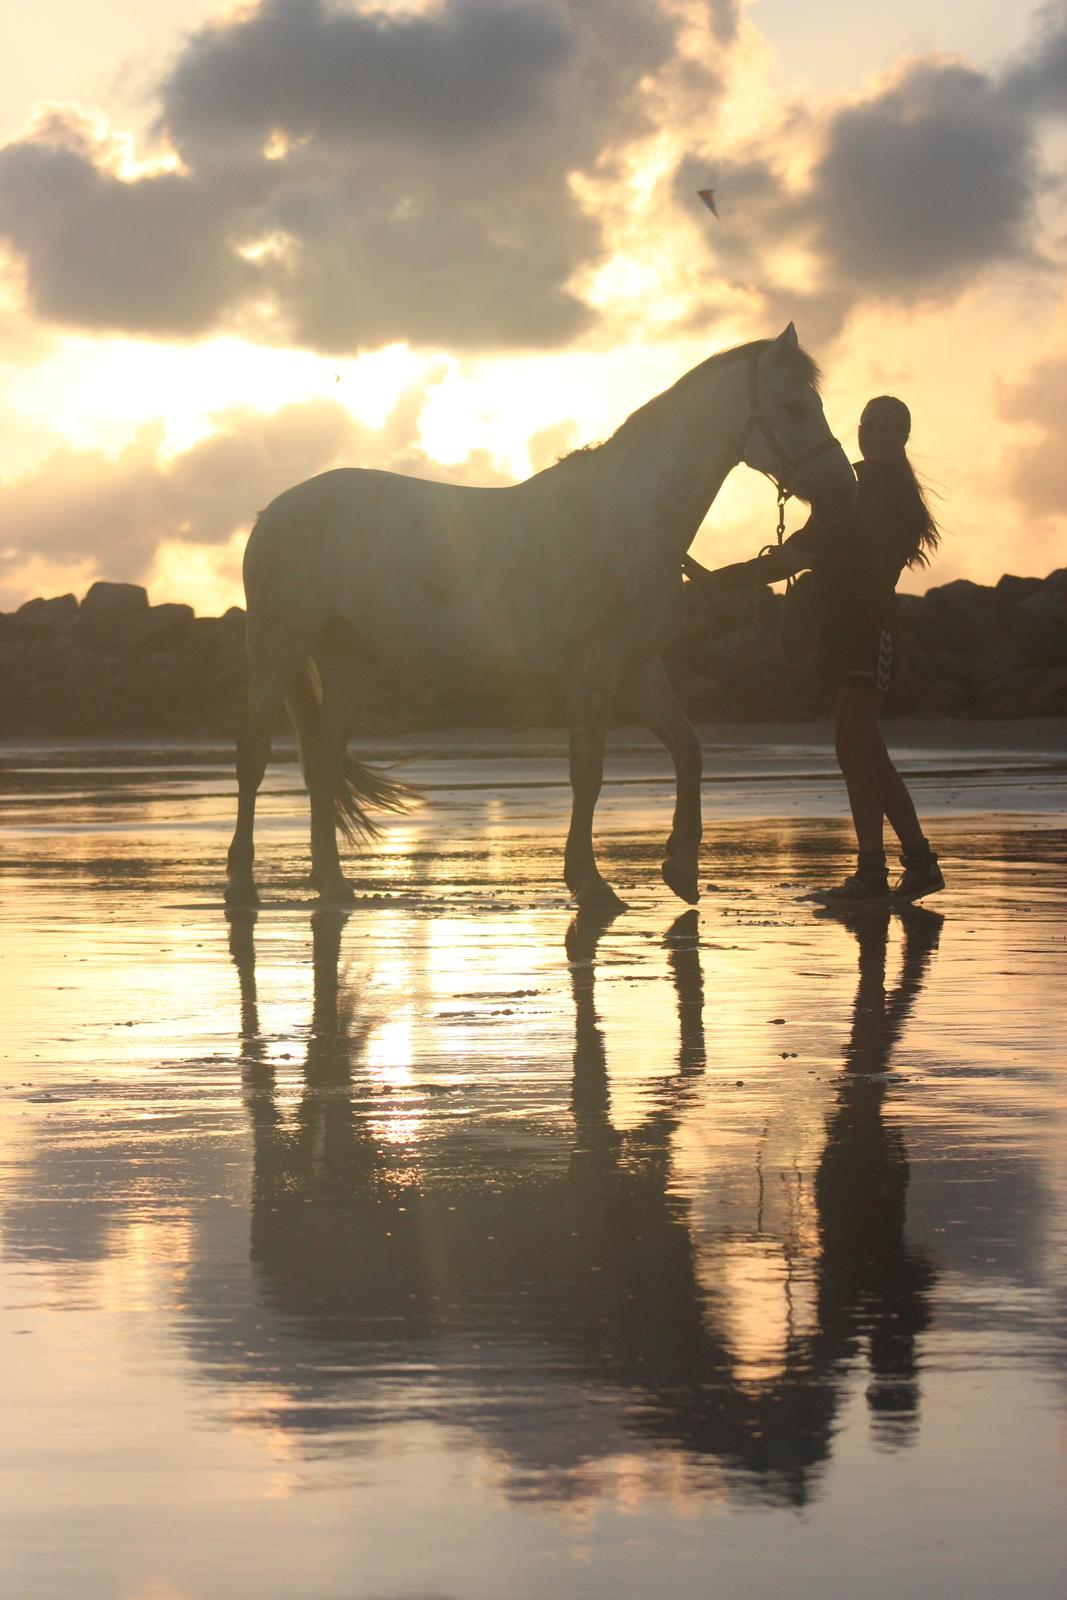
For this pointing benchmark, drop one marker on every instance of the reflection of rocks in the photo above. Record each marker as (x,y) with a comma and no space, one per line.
(115,664)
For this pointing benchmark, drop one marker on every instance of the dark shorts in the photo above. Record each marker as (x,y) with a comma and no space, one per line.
(864,658)
(870,663)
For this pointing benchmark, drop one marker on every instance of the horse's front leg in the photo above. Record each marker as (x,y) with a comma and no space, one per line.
(589,710)
(656,704)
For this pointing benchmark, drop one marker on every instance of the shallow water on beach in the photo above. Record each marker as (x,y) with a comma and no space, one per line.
(457,1246)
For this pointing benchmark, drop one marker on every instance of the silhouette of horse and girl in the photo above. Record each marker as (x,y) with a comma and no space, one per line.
(575,577)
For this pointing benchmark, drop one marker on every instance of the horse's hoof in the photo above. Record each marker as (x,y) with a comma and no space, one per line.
(684,930)
(337,894)
(684,881)
(601,900)
(240,892)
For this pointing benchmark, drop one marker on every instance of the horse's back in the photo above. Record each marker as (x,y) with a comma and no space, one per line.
(398,558)
(355,518)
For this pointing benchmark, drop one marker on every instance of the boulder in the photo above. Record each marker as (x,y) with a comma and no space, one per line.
(159,694)
(950,665)
(1003,659)
(211,635)
(705,697)
(1008,698)
(1045,607)
(942,698)
(159,628)
(909,607)
(1014,589)
(115,600)
(83,672)
(47,616)
(39,661)
(1049,697)
(1040,624)
(959,615)
(739,657)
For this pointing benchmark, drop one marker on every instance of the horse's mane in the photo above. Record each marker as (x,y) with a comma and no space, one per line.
(798,361)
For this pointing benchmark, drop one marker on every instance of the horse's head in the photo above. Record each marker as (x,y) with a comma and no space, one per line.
(786,434)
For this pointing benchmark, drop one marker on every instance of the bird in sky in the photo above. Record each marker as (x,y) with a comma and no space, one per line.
(708,197)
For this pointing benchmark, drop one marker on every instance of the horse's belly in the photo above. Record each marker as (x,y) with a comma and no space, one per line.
(439,640)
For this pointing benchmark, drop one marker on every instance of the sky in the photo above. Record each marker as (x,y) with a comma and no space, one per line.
(242,243)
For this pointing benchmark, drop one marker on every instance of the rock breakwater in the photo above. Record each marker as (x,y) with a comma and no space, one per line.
(115,664)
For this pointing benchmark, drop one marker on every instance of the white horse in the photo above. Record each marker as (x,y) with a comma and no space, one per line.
(574,575)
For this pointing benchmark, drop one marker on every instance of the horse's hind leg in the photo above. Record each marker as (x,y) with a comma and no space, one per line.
(270,671)
(253,753)
(323,760)
(655,702)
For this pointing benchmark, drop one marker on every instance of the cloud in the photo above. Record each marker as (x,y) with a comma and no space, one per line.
(351,177)
(1036,81)
(912,191)
(453,174)
(470,71)
(146,257)
(725,19)
(1036,474)
(119,511)
(922,185)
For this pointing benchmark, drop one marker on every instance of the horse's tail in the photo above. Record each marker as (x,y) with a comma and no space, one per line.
(357,786)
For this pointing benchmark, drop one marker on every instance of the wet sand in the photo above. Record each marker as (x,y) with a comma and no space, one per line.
(457,1246)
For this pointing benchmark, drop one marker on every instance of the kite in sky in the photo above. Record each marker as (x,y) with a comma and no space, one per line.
(708,197)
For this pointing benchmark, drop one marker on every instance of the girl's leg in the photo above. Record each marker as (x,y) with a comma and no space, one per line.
(855,736)
(896,801)
(922,873)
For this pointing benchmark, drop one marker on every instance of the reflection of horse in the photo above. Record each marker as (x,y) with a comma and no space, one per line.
(581,1250)
(870,1282)
(574,577)
(496,1274)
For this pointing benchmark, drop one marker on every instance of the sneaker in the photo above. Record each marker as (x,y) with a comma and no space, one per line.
(921,876)
(859,889)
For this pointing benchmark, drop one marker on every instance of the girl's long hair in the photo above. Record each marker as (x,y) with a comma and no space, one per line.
(909,498)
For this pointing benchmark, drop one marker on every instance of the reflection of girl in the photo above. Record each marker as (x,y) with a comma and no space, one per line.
(856,567)
(873,1285)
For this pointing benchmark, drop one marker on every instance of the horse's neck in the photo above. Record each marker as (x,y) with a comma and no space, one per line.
(669,464)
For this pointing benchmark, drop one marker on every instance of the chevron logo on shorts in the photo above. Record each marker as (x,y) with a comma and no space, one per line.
(885,660)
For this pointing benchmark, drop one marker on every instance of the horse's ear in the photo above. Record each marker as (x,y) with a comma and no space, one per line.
(786,341)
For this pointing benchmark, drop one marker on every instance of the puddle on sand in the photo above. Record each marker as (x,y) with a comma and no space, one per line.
(457,1246)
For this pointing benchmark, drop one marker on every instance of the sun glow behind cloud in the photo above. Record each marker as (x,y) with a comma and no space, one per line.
(96,392)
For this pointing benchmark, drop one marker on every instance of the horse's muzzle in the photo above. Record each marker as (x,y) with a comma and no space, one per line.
(828,484)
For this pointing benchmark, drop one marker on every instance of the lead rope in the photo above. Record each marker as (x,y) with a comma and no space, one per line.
(783,496)
(790,656)
(787,597)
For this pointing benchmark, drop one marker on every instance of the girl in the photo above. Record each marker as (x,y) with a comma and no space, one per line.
(856,566)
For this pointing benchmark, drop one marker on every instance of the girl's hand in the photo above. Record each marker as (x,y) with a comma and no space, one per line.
(695,572)
(723,579)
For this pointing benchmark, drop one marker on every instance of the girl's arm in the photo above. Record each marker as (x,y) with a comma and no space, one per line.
(799,553)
